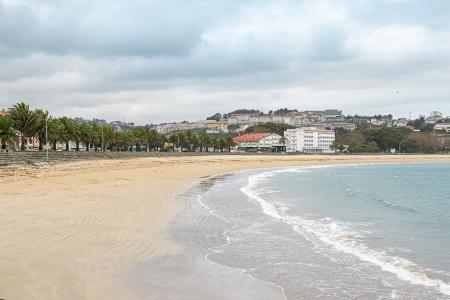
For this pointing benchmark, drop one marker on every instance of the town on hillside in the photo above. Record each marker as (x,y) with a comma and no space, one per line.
(283,130)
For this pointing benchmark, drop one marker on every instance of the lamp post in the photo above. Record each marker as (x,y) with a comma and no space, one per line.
(46,140)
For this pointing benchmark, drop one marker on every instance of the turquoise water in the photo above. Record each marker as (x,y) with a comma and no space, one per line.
(338,232)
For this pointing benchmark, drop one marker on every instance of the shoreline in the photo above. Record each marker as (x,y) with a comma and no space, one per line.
(441,286)
(85,225)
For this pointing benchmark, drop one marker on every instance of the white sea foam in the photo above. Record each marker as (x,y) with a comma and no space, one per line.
(389,203)
(338,236)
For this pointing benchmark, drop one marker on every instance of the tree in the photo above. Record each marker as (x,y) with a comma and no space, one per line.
(55,132)
(372,147)
(174,139)
(269,127)
(426,143)
(7,133)
(408,145)
(139,134)
(341,132)
(70,131)
(229,142)
(42,127)
(353,147)
(216,117)
(85,135)
(96,134)
(335,146)
(214,143)
(24,120)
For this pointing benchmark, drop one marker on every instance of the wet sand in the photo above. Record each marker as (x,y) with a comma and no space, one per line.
(83,230)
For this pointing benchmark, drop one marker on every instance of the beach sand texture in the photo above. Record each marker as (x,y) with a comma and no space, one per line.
(78,230)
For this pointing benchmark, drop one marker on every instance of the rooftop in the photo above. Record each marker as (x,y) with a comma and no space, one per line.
(251,137)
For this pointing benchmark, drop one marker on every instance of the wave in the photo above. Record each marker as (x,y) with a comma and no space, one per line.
(338,236)
(217,249)
(391,204)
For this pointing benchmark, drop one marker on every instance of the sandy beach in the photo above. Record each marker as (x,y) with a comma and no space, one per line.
(77,230)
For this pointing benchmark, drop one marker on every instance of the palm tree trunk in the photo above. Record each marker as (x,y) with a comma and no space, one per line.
(41,144)
(24,142)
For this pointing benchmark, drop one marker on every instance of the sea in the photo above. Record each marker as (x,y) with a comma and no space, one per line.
(362,231)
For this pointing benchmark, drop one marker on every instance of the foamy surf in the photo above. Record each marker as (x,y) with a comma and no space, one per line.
(340,238)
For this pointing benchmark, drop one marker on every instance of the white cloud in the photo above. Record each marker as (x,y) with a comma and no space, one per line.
(395,43)
(167,60)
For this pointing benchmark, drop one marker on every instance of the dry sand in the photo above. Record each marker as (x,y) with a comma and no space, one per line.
(75,230)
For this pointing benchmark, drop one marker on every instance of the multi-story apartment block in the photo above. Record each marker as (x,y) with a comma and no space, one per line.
(434,117)
(309,140)
(170,127)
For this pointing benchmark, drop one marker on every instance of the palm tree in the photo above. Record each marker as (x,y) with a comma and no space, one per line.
(139,135)
(108,135)
(70,131)
(174,140)
(160,141)
(206,142)
(154,139)
(118,141)
(56,132)
(194,141)
(214,143)
(24,120)
(42,123)
(6,131)
(85,135)
(96,134)
(228,143)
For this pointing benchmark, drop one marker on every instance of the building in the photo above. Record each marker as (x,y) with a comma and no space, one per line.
(434,117)
(401,122)
(377,122)
(253,142)
(309,140)
(122,126)
(219,126)
(442,126)
(165,128)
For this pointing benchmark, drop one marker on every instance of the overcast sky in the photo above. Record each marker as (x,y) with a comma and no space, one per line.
(165,60)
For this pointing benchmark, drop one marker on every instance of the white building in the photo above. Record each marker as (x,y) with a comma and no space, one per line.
(442,126)
(309,140)
(401,122)
(434,117)
(170,127)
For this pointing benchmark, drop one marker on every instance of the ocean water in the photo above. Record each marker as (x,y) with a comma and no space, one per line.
(329,232)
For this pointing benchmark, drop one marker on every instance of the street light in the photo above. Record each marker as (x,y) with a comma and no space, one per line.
(46,140)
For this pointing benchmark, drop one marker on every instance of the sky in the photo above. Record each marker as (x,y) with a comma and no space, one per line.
(164,60)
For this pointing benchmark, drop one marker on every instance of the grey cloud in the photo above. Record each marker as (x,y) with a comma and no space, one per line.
(151,59)
(135,28)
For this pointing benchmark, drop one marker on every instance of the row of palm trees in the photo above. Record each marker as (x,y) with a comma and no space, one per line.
(187,141)
(23,123)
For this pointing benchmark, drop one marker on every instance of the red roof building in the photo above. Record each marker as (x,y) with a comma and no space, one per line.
(264,141)
(251,137)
